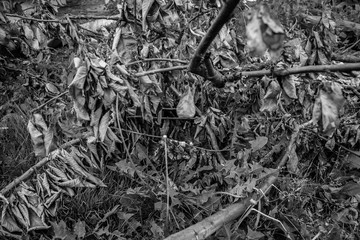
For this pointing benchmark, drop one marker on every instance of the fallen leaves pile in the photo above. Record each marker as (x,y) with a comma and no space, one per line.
(149,148)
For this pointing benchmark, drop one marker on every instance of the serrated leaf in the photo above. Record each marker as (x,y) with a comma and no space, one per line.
(61,231)
(79,229)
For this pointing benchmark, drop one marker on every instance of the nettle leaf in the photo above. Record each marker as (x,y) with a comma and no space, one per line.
(270,100)
(125,167)
(79,229)
(327,107)
(61,231)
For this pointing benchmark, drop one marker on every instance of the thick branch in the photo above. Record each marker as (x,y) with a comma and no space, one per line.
(221,19)
(308,69)
(211,224)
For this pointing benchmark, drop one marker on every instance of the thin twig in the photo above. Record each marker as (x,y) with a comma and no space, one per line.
(156,59)
(176,141)
(167,182)
(124,144)
(275,220)
(316,236)
(62,21)
(49,101)
(35,19)
(347,49)
(140,74)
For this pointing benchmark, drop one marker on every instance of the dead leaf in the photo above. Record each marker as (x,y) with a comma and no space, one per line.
(254,235)
(270,100)
(288,85)
(61,231)
(76,89)
(186,106)
(258,143)
(327,107)
(293,161)
(350,189)
(354,160)
(38,140)
(103,126)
